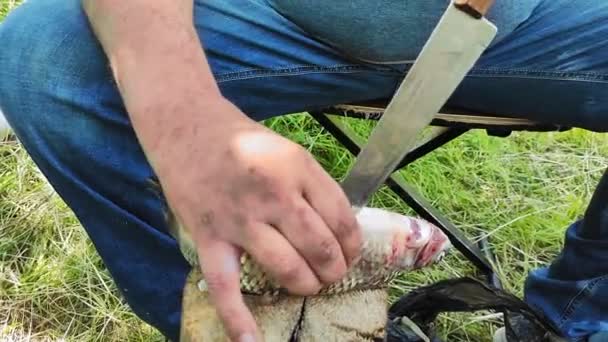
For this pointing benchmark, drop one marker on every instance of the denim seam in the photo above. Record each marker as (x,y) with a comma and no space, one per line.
(299,70)
(349,68)
(541,78)
(576,300)
(533,73)
(544,74)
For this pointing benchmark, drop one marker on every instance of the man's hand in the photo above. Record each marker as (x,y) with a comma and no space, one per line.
(235,185)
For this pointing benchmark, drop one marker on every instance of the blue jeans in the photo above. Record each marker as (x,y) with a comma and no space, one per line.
(550,63)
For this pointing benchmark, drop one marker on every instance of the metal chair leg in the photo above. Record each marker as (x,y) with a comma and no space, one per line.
(441,136)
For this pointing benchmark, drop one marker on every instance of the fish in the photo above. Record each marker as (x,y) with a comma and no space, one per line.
(392,244)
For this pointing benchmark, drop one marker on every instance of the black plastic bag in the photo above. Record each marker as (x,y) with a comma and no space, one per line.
(419,310)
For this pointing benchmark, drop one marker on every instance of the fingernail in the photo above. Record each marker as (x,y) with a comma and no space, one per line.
(202,286)
(247,338)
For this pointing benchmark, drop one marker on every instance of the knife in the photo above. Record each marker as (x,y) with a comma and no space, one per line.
(458,40)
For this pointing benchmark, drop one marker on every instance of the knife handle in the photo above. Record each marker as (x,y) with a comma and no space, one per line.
(475,8)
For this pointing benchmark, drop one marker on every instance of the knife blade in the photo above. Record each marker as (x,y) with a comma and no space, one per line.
(458,40)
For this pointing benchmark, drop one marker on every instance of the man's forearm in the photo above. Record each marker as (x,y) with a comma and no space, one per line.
(157,60)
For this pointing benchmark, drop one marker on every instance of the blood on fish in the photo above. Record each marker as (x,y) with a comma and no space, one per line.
(391,257)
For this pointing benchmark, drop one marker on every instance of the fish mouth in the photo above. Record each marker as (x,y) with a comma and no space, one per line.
(435,250)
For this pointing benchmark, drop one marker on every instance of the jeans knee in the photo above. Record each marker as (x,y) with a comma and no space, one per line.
(46,44)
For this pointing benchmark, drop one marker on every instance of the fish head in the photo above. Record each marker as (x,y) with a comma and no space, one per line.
(434,249)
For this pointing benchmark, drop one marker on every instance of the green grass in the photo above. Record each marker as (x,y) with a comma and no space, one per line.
(6,6)
(522,191)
